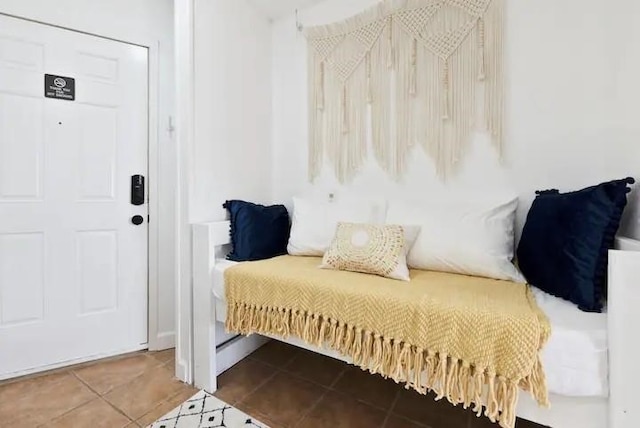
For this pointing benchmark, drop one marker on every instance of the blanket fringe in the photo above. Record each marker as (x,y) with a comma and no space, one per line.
(422,370)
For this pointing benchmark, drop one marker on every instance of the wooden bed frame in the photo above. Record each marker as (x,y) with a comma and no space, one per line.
(216,351)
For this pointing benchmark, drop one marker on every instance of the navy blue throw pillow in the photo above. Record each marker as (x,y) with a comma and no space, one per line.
(566,238)
(257,232)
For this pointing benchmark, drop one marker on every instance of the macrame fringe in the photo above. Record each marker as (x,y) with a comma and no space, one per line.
(422,370)
(423,64)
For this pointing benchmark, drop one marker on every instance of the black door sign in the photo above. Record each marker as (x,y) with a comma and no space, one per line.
(59,87)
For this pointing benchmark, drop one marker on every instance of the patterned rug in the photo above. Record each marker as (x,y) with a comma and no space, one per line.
(203,410)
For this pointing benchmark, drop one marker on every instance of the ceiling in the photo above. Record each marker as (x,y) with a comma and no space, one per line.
(275,9)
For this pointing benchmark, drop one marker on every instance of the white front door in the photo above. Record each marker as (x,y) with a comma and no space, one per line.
(73,266)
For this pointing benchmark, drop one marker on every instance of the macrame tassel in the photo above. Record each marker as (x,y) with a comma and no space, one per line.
(345,111)
(413,71)
(320,86)
(392,53)
(369,83)
(481,38)
(445,90)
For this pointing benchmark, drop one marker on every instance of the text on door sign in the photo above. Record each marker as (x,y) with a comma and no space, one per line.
(60,87)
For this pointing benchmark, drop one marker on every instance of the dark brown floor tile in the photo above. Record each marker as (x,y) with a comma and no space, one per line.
(484,422)
(145,392)
(167,406)
(370,388)
(425,410)
(337,410)
(242,379)
(481,422)
(103,377)
(284,399)
(398,422)
(276,353)
(522,423)
(257,416)
(316,368)
(95,414)
(35,401)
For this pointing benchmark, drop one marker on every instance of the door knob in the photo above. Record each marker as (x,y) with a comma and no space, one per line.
(137,220)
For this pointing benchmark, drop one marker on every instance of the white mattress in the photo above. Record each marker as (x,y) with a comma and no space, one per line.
(575,359)
(221,307)
(218,277)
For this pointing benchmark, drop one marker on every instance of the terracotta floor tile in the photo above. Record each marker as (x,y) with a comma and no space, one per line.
(284,399)
(425,410)
(95,414)
(145,392)
(316,368)
(367,387)
(337,410)
(242,379)
(38,400)
(398,422)
(166,406)
(275,353)
(104,377)
(164,356)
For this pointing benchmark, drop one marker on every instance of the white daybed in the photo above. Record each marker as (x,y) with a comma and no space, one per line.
(589,360)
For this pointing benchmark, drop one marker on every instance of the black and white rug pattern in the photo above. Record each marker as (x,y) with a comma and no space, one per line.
(203,410)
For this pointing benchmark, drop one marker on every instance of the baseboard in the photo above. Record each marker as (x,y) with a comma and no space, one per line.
(163,341)
(230,353)
(182,372)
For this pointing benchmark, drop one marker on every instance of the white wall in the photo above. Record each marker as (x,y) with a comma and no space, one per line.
(625,41)
(572,97)
(232,151)
(132,20)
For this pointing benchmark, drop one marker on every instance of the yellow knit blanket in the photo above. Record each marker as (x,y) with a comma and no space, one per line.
(471,340)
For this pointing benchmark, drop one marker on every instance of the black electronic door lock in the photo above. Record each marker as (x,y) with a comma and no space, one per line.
(137,189)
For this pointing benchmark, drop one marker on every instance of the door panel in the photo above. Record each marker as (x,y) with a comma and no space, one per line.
(21,146)
(73,268)
(21,254)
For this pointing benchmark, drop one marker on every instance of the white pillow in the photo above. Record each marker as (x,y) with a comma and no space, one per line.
(314,222)
(466,238)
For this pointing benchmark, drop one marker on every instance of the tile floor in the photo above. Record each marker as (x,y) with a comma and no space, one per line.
(281,385)
(128,391)
(287,387)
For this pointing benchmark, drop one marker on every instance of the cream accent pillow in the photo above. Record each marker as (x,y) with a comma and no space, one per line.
(467,237)
(375,249)
(313,222)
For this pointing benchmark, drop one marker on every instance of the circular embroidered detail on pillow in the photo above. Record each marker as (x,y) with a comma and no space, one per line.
(366,248)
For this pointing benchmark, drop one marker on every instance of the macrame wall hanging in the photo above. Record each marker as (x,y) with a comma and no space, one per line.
(417,69)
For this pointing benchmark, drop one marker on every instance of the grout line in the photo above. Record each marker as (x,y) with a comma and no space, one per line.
(309,410)
(258,386)
(390,410)
(338,378)
(150,355)
(118,410)
(160,404)
(300,377)
(95,395)
(101,397)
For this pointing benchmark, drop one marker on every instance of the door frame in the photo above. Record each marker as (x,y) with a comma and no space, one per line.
(154,340)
